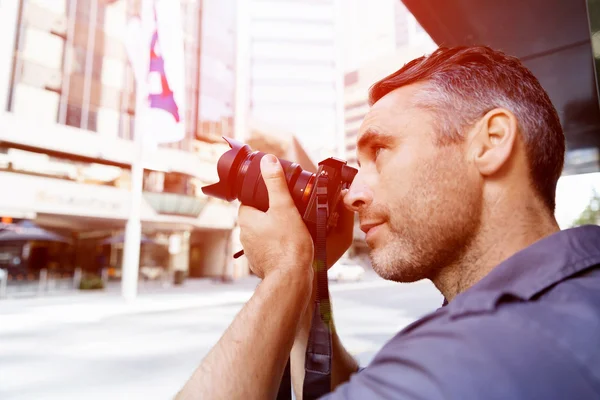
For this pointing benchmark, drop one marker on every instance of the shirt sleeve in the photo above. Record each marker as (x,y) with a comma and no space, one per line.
(479,357)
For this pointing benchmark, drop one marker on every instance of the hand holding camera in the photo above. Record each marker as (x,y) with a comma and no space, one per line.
(297,191)
(279,235)
(292,224)
(276,238)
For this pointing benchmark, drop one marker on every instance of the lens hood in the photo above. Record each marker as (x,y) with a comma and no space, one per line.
(227,169)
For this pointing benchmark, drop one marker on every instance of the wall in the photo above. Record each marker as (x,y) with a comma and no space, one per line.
(213,253)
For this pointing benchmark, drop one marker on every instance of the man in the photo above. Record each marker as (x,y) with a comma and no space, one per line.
(460,155)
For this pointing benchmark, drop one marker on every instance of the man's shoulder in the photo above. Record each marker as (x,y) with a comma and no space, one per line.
(529,329)
(569,307)
(490,355)
(565,317)
(500,352)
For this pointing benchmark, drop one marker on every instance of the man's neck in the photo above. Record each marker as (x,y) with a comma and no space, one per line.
(502,235)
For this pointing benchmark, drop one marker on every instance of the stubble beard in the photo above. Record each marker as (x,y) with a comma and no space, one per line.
(431,227)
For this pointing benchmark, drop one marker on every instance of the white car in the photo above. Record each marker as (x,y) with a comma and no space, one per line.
(346,270)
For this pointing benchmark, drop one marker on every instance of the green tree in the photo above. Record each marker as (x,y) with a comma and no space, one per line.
(591,213)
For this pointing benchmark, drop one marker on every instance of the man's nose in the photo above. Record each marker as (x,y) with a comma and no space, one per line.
(359,195)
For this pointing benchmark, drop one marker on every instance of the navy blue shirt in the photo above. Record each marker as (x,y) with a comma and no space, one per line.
(529,330)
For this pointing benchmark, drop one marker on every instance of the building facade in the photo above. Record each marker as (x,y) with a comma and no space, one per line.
(290,70)
(67,117)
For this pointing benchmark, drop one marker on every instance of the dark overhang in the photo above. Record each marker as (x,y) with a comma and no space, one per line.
(552,37)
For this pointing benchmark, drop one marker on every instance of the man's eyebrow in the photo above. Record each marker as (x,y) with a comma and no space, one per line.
(373,135)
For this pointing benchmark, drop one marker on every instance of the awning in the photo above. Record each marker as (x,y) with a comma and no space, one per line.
(28,231)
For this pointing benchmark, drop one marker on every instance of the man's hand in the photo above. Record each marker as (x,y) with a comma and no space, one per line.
(278,238)
(249,359)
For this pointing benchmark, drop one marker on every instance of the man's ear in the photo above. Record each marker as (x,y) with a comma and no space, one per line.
(493,140)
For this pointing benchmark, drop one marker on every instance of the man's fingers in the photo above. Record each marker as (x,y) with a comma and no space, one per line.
(272,173)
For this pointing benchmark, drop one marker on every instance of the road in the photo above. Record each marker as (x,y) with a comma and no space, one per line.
(100,348)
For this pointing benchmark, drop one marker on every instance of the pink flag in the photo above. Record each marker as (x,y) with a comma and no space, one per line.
(155,47)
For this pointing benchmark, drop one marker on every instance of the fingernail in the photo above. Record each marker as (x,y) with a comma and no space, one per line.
(269,158)
(269,162)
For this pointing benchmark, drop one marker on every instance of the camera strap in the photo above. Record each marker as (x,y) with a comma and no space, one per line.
(317,365)
(317,378)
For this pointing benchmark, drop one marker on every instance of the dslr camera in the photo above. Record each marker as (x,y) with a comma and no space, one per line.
(240,178)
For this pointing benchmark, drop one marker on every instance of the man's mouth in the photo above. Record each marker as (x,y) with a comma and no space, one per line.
(370,228)
(365,227)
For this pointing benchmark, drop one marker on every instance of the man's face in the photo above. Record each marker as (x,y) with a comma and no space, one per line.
(419,202)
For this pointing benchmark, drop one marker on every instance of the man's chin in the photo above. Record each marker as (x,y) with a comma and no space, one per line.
(392,267)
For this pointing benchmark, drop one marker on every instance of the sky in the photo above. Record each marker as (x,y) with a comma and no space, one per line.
(573,195)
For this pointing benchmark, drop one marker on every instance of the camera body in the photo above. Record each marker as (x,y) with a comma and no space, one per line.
(339,177)
(240,178)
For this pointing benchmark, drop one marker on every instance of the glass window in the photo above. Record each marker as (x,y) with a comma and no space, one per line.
(126,126)
(108,121)
(292,10)
(297,51)
(42,48)
(113,73)
(217,60)
(80,59)
(291,30)
(35,102)
(115,19)
(317,94)
(219,47)
(74,115)
(261,71)
(56,6)
(83,91)
(212,108)
(41,77)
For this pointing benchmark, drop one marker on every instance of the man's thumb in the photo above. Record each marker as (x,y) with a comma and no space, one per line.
(274,177)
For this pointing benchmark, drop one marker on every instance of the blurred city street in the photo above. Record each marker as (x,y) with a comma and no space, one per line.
(96,346)
(132,130)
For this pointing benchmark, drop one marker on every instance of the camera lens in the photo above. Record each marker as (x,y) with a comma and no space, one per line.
(240,178)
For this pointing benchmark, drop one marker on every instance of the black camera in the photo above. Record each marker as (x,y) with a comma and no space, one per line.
(240,178)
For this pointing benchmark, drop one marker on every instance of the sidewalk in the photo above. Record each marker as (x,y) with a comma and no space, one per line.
(27,314)
(92,306)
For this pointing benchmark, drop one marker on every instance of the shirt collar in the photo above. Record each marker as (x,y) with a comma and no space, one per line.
(533,269)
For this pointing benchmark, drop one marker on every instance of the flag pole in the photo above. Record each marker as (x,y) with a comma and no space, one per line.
(133,229)
(140,46)
(136,44)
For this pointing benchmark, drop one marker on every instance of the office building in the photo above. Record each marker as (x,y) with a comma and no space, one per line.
(290,63)
(67,117)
